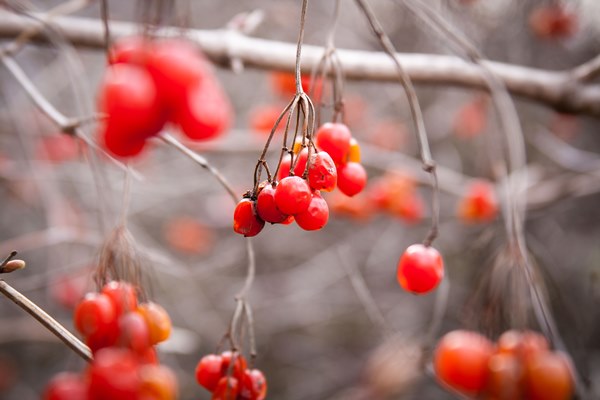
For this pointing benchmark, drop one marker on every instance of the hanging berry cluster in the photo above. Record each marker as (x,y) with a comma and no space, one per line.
(121,334)
(227,377)
(519,366)
(150,83)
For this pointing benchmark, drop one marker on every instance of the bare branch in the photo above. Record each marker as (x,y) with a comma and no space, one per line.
(556,89)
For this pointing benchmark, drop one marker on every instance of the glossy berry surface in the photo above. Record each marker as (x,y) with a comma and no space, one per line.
(66,386)
(322,173)
(208,371)
(292,195)
(316,215)
(95,314)
(227,388)
(461,361)
(265,205)
(253,385)
(158,320)
(352,178)
(548,377)
(420,269)
(245,220)
(334,138)
(122,295)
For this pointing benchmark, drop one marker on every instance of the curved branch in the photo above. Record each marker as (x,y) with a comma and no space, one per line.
(556,89)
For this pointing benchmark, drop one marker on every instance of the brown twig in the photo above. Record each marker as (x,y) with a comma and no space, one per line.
(417,116)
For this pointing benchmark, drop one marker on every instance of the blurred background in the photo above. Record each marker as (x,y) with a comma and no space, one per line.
(320,334)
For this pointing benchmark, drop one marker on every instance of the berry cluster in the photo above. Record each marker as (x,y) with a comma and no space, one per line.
(420,269)
(227,377)
(519,366)
(296,195)
(121,333)
(150,83)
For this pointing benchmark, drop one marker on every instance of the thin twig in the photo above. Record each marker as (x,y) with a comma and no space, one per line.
(198,159)
(417,116)
(46,320)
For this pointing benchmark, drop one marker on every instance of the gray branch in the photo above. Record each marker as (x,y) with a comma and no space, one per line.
(557,89)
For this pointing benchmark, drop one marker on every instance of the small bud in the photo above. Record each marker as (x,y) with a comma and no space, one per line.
(12,265)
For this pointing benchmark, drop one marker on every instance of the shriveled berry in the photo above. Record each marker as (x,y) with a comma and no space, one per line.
(316,215)
(322,173)
(245,220)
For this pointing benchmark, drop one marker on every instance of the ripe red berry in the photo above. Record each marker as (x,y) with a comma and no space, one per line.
(316,215)
(95,314)
(265,205)
(204,111)
(286,162)
(548,376)
(131,50)
(334,138)
(322,173)
(292,195)
(461,361)
(157,382)
(239,364)
(133,332)
(351,178)
(504,378)
(129,97)
(420,269)
(228,388)
(523,344)
(114,375)
(176,66)
(245,220)
(66,386)
(479,204)
(208,371)
(157,318)
(253,385)
(122,295)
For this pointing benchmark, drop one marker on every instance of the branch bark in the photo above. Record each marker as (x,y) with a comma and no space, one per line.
(556,89)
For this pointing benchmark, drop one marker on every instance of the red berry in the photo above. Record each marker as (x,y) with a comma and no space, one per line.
(316,215)
(129,97)
(119,144)
(122,295)
(286,162)
(133,332)
(265,205)
(322,173)
(114,375)
(209,371)
(504,379)
(157,382)
(227,389)
(420,269)
(253,385)
(131,50)
(245,220)
(176,66)
(351,178)
(461,361)
(334,138)
(292,195)
(239,364)
(204,112)
(66,386)
(157,318)
(95,314)
(479,203)
(548,377)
